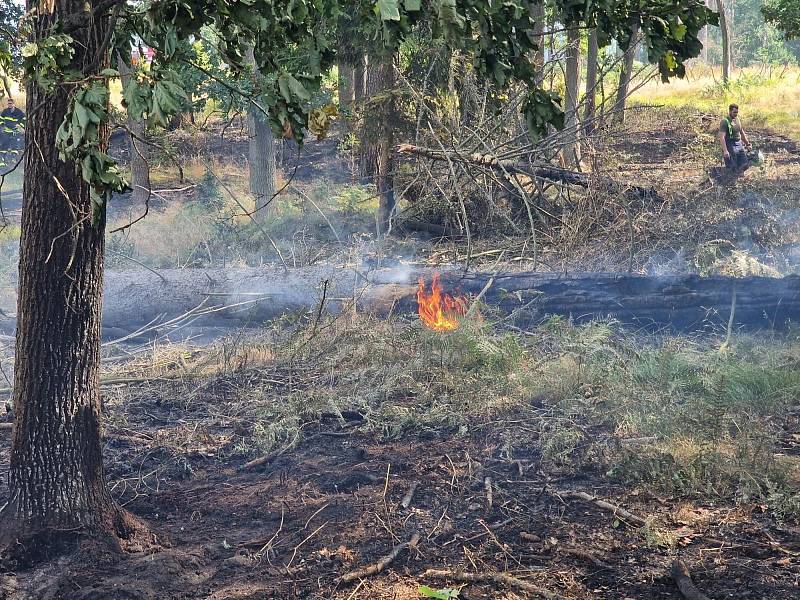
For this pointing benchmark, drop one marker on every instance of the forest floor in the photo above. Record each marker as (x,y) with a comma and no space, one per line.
(498,431)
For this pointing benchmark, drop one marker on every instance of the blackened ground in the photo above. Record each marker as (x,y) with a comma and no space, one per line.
(332,505)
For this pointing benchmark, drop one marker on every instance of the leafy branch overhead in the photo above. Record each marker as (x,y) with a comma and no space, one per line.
(499,36)
(785,15)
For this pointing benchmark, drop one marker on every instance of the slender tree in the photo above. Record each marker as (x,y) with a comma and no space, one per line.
(347,87)
(572,147)
(377,141)
(539,22)
(724,26)
(138,146)
(618,110)
(261,150)
(591,82)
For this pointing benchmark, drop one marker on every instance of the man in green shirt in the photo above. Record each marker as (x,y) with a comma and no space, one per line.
(734,140)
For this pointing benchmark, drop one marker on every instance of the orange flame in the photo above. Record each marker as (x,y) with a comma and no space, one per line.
(438,310)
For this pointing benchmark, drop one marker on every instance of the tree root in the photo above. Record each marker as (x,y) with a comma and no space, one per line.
(683,579)
(493,577)
(381,564)
(23,545)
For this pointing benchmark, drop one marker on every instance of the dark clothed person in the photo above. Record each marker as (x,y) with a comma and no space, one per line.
(11,121)
(733,140)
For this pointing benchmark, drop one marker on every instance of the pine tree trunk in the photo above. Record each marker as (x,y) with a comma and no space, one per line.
(56,480)
(139,150)
(571,148)
(618,110)
(724,27)
(261,155)
(591,83)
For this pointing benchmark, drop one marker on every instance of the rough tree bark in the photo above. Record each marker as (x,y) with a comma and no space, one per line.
(368,155)
(572,147)
(591,82)
(56,480)
(346,86)
(359,80)
(261,154)
(618,110)
(724,27)
(140,151)
(377,140)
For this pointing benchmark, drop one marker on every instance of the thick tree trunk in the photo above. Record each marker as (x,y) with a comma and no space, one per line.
(261,155)
(572,148)
(618,111)
(724,27)
(56,478)
(140,151)
(591,83)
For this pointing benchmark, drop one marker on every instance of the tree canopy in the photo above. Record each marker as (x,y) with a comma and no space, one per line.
(499,37)
(785,15)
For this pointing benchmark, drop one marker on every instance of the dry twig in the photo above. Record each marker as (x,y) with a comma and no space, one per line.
(381,564)
(616,510)
(494,577)
(406,501)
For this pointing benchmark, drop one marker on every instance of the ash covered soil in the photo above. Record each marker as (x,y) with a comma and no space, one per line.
(333,505)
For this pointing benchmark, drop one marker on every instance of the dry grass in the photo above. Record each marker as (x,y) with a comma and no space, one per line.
(768,96)
(676,414)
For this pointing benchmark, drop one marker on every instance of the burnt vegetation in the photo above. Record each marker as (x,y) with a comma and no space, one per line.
(399,300)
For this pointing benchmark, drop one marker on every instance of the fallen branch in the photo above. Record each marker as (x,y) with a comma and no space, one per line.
(616,510)
(406,501)
(381,564)
(268,458)
(683,579)
(493,577)
(542,172)
(586,555)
